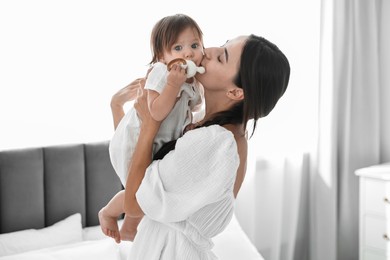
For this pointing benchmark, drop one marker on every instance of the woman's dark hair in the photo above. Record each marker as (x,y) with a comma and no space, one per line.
(263,75)
(166,31)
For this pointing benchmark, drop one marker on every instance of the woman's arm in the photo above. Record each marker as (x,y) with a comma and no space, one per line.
(242,148)
(124,95)
(142,156)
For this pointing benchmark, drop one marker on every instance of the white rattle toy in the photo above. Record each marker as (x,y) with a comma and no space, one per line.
(189,65)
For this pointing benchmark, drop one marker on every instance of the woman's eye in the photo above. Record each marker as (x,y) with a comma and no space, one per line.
(219,58)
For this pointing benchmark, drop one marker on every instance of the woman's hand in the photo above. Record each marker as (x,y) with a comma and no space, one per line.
(124,95)
(128,93)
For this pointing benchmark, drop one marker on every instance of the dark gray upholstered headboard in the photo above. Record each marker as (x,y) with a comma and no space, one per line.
(40,186)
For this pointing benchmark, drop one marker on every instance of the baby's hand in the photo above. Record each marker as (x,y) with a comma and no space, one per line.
(176,76)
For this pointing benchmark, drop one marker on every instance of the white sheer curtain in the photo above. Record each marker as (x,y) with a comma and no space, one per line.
(280,214)
(354,119)
(273,204)
(305,205)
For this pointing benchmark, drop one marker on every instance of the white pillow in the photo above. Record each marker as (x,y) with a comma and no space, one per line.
(103,249)
(65,231)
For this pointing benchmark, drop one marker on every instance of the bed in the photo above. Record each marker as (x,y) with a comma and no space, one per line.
(49,199)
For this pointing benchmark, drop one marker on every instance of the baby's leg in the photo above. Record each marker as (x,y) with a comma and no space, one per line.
(129,228)
(108,216)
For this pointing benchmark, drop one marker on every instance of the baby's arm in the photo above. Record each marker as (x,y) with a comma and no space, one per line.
(161,104)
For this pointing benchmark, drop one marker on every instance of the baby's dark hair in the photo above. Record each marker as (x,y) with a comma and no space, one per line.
(166,31)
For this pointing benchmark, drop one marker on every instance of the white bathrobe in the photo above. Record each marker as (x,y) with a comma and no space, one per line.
(187,197)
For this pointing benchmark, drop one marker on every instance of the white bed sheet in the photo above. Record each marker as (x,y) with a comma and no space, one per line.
(103,249)
(232,244)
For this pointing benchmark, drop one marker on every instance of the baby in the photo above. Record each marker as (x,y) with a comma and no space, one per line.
(173,95)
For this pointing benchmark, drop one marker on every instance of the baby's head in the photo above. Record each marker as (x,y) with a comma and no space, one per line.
(176,36)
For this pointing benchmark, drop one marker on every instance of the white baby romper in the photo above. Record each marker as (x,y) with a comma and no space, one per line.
(125,138)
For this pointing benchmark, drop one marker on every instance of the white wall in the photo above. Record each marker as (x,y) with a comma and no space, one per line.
(61,61)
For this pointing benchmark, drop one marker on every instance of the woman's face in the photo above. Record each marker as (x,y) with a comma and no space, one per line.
(221,64)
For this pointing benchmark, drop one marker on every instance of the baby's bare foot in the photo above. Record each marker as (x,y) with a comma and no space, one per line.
(109,225)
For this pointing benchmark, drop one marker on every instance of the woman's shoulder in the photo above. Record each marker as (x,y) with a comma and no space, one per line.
(230,131)
(209,138)
(211,131)
(241,137)
(207,148)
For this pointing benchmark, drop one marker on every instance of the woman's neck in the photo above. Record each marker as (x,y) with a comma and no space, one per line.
(215,102)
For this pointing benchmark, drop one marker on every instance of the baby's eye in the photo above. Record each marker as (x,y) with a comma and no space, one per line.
(194,45)
(178,48)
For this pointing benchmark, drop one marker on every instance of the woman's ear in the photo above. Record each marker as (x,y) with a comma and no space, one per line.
(236,93)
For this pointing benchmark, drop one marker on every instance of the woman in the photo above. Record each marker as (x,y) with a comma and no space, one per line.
(187,197)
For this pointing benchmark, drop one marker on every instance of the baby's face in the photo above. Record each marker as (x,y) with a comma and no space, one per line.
(188,46)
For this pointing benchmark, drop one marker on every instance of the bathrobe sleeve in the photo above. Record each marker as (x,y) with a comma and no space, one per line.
(200,171)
